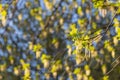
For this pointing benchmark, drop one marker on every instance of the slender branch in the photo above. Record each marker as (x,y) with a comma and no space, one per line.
(58,55)
(103,33)
(112,69)
(116,60)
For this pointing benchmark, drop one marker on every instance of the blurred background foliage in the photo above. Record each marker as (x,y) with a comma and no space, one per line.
(59,40)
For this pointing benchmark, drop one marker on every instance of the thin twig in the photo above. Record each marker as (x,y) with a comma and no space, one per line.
(112,69)
(59,54)
(103,33)
(115,60)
